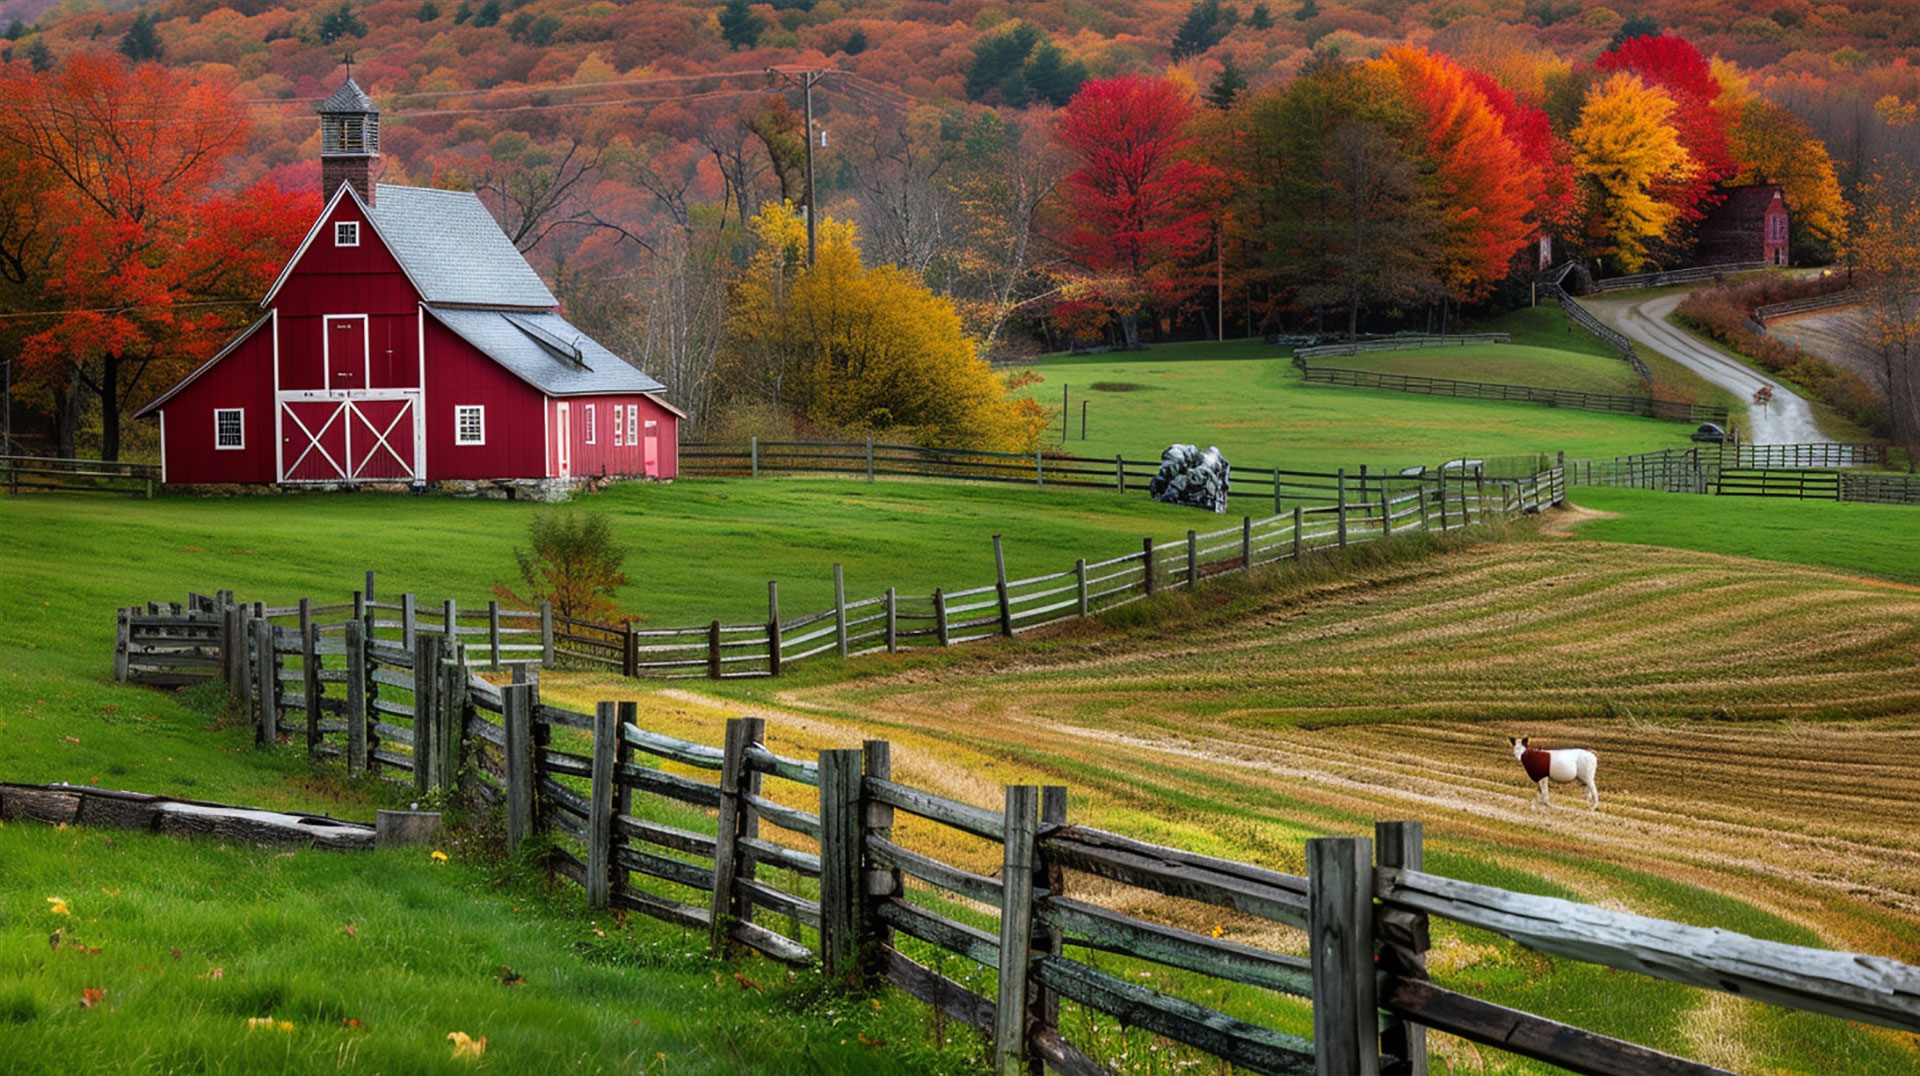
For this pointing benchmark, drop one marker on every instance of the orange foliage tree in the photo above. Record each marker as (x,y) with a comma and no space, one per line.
(1674,65)
(151,261)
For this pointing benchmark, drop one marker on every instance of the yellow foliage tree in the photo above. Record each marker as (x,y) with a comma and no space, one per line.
(1775,146)
(861,350)
(1624,152)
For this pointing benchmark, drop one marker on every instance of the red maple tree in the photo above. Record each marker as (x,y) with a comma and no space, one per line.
(1134,204)
(1673,64)
(153,266)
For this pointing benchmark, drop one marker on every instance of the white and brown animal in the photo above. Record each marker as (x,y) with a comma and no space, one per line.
(1546,768)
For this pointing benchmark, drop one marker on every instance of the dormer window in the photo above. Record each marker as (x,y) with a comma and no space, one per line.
(346,233)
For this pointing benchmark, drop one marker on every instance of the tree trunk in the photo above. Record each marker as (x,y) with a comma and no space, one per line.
(110,409)
(1130,332)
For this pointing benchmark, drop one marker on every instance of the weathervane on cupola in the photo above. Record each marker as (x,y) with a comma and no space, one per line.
(349,139)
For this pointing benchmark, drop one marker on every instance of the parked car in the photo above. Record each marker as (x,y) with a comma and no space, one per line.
(1709,434)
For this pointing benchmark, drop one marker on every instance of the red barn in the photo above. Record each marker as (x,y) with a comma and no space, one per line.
(408,341)
(1750,225)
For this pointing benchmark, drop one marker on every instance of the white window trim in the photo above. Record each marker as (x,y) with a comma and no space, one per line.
(633,424)
(343,227)
(590,432)
(619,429)
(240,411)
(459,434)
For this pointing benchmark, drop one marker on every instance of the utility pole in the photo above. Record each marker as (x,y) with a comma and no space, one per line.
(806,79)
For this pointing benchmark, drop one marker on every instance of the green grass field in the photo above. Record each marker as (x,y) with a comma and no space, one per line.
(1502,364)
(1881,540)
(1246,397)
(366,962)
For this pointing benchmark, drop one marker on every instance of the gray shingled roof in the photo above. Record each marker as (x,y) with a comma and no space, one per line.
(348,98)
(541,348)
(454,250)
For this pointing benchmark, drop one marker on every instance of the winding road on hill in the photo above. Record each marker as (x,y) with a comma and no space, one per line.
(1786,420)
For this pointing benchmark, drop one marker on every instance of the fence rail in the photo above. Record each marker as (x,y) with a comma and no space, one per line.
(1401,343)
(1677,276)
(1829,301)
(1816,470)
(1611,403)
(18,473)
(1607,333)
(801,860)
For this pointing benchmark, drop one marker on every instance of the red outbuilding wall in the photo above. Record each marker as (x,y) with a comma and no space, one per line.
(358,280)
(515,414)
(244,379)
(603,456)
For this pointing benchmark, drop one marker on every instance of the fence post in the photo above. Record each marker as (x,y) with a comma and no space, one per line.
(1276,491)
(1480,493)
(1016,931)
(546,633)
(1299,539)
(629,652)
(267,671)
(450,616)
(517,716)
(493,636)
(452,735)
(1193,559)
(773,628)
(1039,475)
(428,650)
(1343,507)
(1386,510)
(1083,606)
(876,883)
(606,735)
(370,585)
(840,610)
(356,707)
(1246,543)
(1146,563)
(122,636)
(1403,939)
(1340,922)
(940,629)
(840,881)
(753,455)
(1000,586)
(310,682)
(737,820)
(713,650)
(893,623)
(1119,474)
(1443,502)
(1043,1006)
(409,620)
(234,639)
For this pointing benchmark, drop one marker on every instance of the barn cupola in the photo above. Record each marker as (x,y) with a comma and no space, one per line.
(349,141)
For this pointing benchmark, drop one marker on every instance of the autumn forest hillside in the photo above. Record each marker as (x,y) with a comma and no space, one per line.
(997,177)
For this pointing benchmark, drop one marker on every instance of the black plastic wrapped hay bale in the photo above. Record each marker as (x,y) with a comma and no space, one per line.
(1191,477)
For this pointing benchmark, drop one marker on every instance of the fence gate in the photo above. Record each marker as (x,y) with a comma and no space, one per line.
(362,438)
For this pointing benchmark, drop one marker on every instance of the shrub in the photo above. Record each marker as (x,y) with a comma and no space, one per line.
(574,564)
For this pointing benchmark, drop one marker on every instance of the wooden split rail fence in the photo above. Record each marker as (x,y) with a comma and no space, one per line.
(1609,403)
(32,473)
(1001,917)
(1818,471)
(310,655)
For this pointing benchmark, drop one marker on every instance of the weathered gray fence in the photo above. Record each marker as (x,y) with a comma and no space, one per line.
(1608,403)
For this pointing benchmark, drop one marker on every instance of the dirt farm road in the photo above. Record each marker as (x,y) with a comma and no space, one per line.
(1787,420)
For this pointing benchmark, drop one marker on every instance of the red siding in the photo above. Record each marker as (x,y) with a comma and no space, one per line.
(515,417)
(243,379)
(606,458)
(364,279)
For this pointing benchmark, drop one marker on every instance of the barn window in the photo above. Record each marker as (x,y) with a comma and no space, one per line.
(633,424)
(619,428)
(346,233)
(229,428)
(470,425)
(590,429)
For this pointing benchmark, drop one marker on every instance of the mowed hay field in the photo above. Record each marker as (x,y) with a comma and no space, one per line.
(1755,725)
